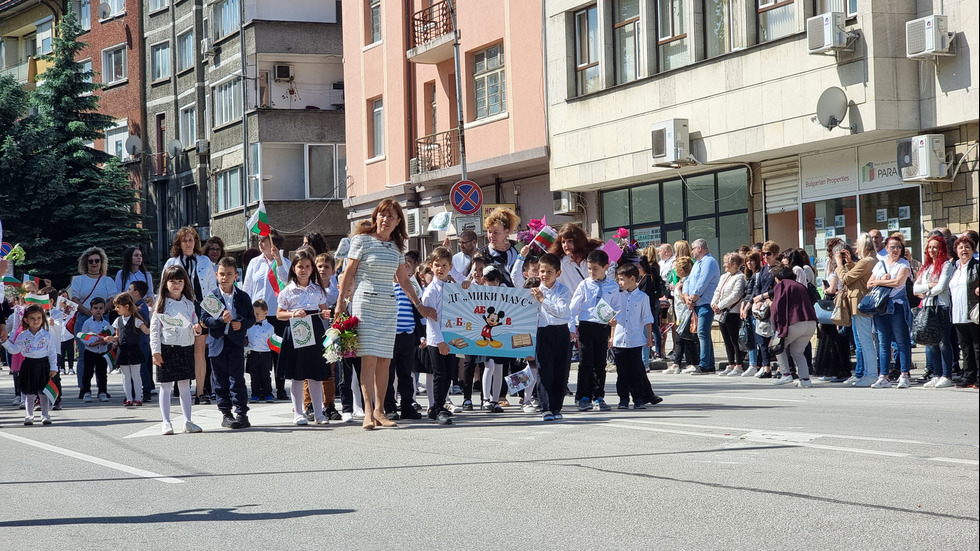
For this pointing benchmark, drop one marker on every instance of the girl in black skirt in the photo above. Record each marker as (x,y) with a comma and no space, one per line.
(40,360)
(128,326)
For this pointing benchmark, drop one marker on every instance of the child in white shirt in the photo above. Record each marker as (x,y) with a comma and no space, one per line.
(40,353)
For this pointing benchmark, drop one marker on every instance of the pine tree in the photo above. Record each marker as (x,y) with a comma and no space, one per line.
(80,197)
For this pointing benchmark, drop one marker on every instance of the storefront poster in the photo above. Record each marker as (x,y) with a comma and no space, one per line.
(840,221)
(820,241)
(818,223)
(906,234)
(904,213)
(893,224)
(492,321)
(647,236)
(878,166)
(829,174)
(881,215)
(830,233)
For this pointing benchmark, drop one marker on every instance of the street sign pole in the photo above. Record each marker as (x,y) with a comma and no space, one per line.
(459,92)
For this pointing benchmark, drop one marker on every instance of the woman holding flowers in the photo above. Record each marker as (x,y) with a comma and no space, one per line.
(375,259)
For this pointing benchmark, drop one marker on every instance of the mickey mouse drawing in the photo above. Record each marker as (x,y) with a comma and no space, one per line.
(492,319)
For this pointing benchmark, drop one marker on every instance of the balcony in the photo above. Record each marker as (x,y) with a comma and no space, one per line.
(437,151)
(157,164)
(432,35)
(23,73)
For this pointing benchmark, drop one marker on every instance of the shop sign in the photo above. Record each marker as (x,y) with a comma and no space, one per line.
(878,166)
(646,237)
(827,175)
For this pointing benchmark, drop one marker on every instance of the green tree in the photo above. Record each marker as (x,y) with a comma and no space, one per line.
(80,196)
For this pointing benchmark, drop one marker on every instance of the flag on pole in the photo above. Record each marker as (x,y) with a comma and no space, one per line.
(259,222)
(273,276)
(51,391)
(111,359)
(275,343)
(545,238)
(12,281)
(43,300)
(36,280)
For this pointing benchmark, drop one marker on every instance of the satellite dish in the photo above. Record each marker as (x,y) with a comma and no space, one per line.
(134,145)
(831,107)
(104,11)
(174,148)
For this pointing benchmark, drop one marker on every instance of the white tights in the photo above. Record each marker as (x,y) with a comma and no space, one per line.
(131,376)
(29,404)
(493,375)
(316,397)
(166,391)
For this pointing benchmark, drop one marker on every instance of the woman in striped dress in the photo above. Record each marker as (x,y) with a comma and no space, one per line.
(375,259)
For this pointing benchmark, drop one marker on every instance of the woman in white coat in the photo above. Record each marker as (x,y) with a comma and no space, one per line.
(186,253)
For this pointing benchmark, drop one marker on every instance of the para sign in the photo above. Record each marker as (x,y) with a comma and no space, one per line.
(489,321)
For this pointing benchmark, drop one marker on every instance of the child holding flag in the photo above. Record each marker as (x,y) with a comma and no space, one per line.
(95,329)
(40,361)
(262,343)
(129,357)
(264,279)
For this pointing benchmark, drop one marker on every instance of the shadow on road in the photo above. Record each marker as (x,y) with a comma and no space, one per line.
(187,515)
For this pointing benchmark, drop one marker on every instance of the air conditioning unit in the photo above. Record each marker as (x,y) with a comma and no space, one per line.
(203,147)
(283,73)
(927,37)
(922,157)
(565,202)
(669,143)
(337,95)
(825,33)
(416,220)
(207,47)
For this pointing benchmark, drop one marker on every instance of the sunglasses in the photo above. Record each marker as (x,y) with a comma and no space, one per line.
(767,253)
(95,261)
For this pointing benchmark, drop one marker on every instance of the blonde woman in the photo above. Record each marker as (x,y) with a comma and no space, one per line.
(91,282)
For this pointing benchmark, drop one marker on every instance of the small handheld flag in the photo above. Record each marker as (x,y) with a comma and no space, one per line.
(275,343)
(43,300)
(259,222)
(51,391)
(273,276)
(545,238)
(87,338)
(12,281)
(111,359)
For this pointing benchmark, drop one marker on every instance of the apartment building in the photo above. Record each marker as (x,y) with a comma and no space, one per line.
(767,118)
(26,31)
(252,93)
(403,123)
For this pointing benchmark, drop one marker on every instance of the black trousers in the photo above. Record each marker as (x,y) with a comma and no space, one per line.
(280,327)
(970,347)
(259,368)
(631,376)
(470,366)
(687,349)
(66,360)
(228,370)
(593,343)
(442,377)
(402,363)
(554,360)
(729,334)
(95,364)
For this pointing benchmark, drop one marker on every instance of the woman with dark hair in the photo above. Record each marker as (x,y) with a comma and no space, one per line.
(316,242)
(376,259)
(963,288)
(133,270)
(932,286)
(753,263)
(186,253)
(572,247)
(214,249)
(893,326)
(794,321)
(833,359)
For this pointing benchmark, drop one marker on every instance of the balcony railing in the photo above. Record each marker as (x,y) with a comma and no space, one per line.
(158,164)
(437,151)
(20,72)
(431,23)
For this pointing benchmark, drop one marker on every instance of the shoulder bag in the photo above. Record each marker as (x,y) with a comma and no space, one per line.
(877,300)
(928,326)
(776,345)
(841,315)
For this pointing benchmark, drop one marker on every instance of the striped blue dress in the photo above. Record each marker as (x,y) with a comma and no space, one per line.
(374,298)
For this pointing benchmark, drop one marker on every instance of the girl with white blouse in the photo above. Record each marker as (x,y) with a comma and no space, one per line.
(40,351)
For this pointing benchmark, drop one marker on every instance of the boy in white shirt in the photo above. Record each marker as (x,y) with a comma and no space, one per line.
(593,333)
(95,363)
(552,347)
(633,330)
(258,363)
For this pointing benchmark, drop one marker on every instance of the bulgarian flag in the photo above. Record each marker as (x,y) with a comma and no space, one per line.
(545,238)
(87,338)
(111,358)
(36,280)
(273,276)
(43,300)
(275,343)
(12,281)
(259,222)
(51,391)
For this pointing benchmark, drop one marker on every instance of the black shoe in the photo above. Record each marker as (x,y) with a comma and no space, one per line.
(656,400)
(281,395)
(417,406)
(230,422)
(443,418)
(243,421)
(410,413)
(393,416)
(197,400)
(766,375)
(309,413)
(703,371)
(432,413)
(333,415)
(205,400)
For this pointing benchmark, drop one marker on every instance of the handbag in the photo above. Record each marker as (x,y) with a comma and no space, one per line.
(824,309)
(975,314)
(841,314)
(722,316)
(913,300)
(776,346)
(876,301)
(814,294)
(744,334)
(928,327)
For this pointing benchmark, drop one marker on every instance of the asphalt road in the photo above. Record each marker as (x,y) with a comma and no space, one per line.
(720,464)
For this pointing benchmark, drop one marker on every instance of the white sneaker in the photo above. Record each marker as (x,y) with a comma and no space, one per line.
(903,381)
(751,371)
(726,372)
(804,384)
(931,383)
(347,417)
(689,369)
(673,370)
(88,396)
(359,414)
(191,427)
(944,382)
(882,382)
(851,380)
(528,408)
(783,380)
(103,397)
(737,372)
(167,429)
(760,373)
(17,401)
(300,420)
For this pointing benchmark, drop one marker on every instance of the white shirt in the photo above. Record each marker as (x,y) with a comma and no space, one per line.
(34,346)
(82,285)
(666,266)
(897,294)
(138,275)
(939,294)
(432,297)
(172,336)
(204,272)
(587,295)
(461,262)
(631,323)
(258,336)
(960,309)
(256,282)
(92,326)
(555,309)
(294,297)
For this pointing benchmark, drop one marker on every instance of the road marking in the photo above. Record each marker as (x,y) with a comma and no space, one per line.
(800,434)
(727,397)
(271,415)
(954,460)
(96,460)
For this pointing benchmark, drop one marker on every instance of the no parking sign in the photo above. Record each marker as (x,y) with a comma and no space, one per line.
(466,197)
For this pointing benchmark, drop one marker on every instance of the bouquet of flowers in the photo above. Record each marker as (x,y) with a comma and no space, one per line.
(341,339)
(526,237)
(628,246)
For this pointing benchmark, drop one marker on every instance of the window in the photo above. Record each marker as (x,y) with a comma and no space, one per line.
(255,171)
(717,27)
(44,38)
(30,46)
(626,34)
(158,4)
(776,19)
(114,65)
(227,102)
(586,51)
(160,61)
(185,51)
(83,9)
(374,20)
(849,7)
(488,85)
(264,100)
(672,34)
(227,18)
(188,126)
(115,141)
(324,175)
(228,189)
(377,128)
(86,70)
(116,7)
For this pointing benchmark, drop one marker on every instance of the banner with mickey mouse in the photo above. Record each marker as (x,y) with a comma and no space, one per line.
(489,321)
